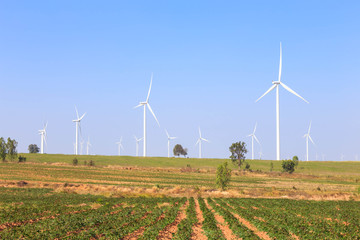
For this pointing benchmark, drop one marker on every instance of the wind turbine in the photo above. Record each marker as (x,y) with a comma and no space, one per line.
(42,132)
(199,142)
(169,138)
(252,141)
(120,145)
(307,136)
(146,103)
(81,147)
(77,121)
(88,145)
(276,85)
(261,154)
(137,144)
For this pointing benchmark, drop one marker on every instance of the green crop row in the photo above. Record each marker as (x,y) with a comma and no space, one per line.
(210,224)
(185,226)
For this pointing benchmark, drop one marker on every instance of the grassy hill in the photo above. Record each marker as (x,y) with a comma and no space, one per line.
(311,167)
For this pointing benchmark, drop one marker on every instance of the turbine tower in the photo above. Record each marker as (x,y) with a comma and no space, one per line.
(276,85)
(307,136)
(137,144)
(42,132)
(77,121)
(252,141)
(199,142)
(146,103)
(120,146)
(88,145)
(169,138)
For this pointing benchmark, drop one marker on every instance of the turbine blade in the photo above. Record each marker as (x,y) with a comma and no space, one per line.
(147,99)
(171,138)
(293,92)
(205,140)
(311,140)
(77,113)
(309,128)
(199,132)
(280,64)
(167,134)
(138,106)
(153,114)
(257,140)
(197,142)
(269,90)
(82,116)
(255,128)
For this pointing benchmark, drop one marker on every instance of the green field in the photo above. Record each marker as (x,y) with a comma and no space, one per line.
(46,214)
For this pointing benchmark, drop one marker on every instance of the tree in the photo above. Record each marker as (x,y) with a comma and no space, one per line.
(238,151)
(288,166)
(296,160)
(179,150)
(11,148)
(33,148)
(3,150)
(223,176)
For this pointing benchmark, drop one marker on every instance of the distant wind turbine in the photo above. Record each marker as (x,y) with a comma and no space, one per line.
(260,155)
(307,136)
(137,145)
(169,138)
(81,147)
(199,142)
(252,135)
(120,146)
(276,85)
(77,121)
(42,132)
(146,103)
(88,145)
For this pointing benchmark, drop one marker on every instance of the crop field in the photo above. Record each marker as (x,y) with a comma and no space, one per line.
(30,213)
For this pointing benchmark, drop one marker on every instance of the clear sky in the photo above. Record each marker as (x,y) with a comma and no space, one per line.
(211,60)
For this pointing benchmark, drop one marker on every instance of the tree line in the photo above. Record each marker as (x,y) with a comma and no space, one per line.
(8,149)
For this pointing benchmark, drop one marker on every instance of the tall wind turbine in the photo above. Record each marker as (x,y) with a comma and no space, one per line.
(88,145)
(276,85)
(137,144)
(252,141)
(77,121)
(42,132)
(199,142)
(146,103)
(81,147)
(169,138)
(307,136)
(120,146)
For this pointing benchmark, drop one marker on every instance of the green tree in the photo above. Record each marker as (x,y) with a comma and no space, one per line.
(33,148)
(238,151)
(296,160)
(179,150)
(288,166)
(223,176)
(11,148)
(3,149)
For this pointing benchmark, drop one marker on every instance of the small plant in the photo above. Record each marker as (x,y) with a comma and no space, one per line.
(247,167)
(288,166)
(92,163)
(21,159)
(85,163)
(318,188)
(75,162)
(271,166)
(223,175)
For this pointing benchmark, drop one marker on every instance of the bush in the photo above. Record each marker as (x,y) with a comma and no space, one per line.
(91,163)
(288,166)
(21,159)
(85,163)
(271,166)
(75,162)
(223,175)
(296,160)
(247,167)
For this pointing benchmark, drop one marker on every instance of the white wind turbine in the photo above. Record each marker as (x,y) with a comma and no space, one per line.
(146,103)
(120,146)
(169,138)
(199,142)
(252,141)
(88,145)
(276,85)
(42,132)
(81,147)
(307,136)
(77,121)
(137,144)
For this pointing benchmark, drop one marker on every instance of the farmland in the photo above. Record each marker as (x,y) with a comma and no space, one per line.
(31,213)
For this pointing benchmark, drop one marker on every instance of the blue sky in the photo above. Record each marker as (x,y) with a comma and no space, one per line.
(211,60)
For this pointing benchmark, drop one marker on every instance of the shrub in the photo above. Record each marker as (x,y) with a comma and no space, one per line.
(92,163)
(247,167)
(296,160)
(85,163)
(271,166)
(288,166)
(75,162)
(223,175)
(21,159)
